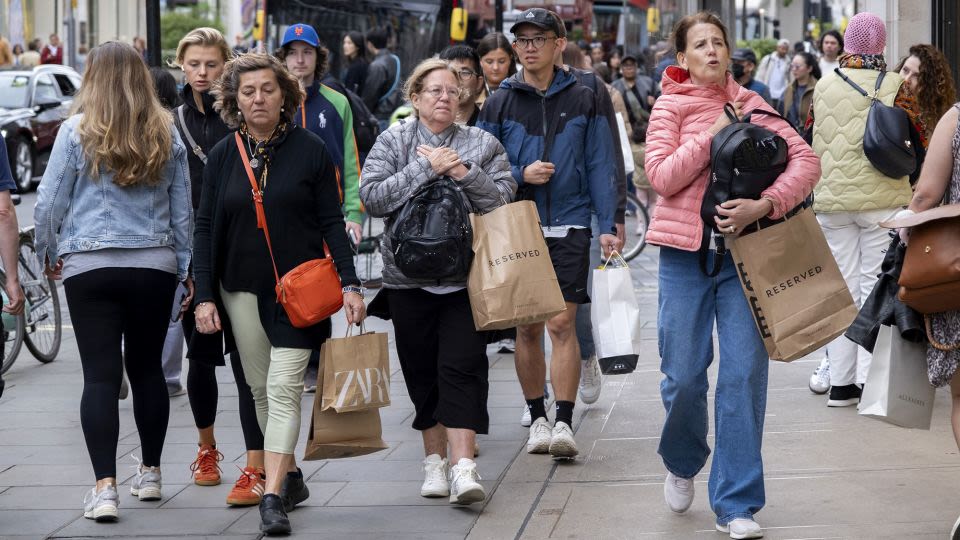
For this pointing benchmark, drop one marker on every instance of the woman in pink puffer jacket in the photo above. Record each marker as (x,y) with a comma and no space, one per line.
(682,125)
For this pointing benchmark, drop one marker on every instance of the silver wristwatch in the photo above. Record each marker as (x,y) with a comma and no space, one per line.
(354,289)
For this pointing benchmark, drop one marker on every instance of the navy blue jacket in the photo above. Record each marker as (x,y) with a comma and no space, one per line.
(519,116)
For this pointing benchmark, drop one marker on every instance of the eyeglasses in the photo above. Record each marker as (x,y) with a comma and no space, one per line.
(537,42)
(467,73)
(436,92)
(796,66)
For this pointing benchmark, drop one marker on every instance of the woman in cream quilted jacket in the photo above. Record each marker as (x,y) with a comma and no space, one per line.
(853,197)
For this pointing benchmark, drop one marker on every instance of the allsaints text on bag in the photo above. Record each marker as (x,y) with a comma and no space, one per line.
(795,280)
(754,302)
(372,384)
(503,259)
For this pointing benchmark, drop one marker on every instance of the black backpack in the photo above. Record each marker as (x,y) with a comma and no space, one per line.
(365,125)
(745,159)
(431,235)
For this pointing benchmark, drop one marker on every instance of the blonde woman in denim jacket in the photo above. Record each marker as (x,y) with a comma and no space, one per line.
(114,221)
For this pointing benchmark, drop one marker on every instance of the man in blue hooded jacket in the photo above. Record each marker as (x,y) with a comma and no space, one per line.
(561,153)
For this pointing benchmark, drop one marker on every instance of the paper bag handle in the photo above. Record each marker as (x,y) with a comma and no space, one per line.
(619,259)
(349,332)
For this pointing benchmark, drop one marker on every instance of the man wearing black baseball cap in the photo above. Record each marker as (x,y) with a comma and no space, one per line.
(744,66)
(561,154)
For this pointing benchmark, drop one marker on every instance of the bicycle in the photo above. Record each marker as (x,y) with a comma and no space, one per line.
(367,259)
(40,326)
(637,222)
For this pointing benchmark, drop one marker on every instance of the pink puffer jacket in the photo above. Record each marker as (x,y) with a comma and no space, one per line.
(678,156)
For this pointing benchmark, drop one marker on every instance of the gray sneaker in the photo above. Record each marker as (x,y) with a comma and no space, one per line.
(146,483)
(101,506)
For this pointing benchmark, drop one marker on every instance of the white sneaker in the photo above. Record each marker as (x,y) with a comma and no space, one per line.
(465,485)
(525,419)
(591,381)
(562,445)
(539,440)
(820,380)
(678,492)
(742,528)
(146,484)
(435,483)
(101,505)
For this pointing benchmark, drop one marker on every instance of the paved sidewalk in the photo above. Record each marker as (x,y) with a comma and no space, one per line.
(830,473)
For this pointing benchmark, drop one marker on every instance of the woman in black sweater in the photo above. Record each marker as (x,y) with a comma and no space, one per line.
(232,263)
(355,74)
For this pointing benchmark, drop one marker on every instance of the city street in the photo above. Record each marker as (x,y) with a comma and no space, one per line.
(829,473)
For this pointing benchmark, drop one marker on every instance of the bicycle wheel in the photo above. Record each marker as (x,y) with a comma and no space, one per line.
(367,259)
(44,324)
(12,335)
(637,222)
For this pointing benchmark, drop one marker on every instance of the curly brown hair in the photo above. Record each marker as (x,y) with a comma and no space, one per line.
(936,92)
(225,89)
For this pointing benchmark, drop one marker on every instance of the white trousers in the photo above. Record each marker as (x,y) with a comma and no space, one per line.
(858,244)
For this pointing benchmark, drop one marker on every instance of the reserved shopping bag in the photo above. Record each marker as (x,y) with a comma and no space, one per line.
(897,389)
(615,313)
(341,435)
(356,372)
(798,297)
(512,281)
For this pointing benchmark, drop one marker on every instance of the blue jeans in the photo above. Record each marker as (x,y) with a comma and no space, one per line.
(689,304)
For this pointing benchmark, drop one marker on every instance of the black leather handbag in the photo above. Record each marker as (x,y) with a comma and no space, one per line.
(887,139)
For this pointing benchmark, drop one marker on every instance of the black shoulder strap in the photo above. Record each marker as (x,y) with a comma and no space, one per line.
(717,255)
(855,85)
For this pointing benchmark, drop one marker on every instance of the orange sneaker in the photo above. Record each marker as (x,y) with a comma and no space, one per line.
(206,468)
(249,488)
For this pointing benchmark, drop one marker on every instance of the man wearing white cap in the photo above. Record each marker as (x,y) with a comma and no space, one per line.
(774,71)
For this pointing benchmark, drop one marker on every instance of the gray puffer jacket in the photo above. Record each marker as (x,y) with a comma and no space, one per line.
(393,172)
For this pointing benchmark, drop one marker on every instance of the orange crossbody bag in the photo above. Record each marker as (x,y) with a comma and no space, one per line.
(309,293)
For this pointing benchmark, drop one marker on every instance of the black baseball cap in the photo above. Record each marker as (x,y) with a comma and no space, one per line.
(539,17)
(629,58)
(745,54)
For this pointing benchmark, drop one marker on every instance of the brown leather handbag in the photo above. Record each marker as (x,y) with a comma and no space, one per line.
(930,280)
(310,292)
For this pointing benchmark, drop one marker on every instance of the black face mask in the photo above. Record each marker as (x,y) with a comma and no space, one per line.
(737,70)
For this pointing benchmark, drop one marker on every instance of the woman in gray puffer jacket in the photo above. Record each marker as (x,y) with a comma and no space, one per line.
(442,355)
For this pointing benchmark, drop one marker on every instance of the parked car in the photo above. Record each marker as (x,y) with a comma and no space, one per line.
(33,103)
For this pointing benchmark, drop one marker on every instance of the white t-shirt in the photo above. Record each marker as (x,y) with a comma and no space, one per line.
(779,67)
(827,66)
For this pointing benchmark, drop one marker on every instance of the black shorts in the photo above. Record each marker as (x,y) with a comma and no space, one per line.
(571,261)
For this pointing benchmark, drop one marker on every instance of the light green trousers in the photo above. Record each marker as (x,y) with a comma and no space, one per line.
(275,374)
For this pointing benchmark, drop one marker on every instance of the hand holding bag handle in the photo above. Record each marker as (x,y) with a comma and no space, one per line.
(310,292)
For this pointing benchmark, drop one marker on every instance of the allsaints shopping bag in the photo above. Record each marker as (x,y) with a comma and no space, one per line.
(616,317)
(356,372)
(511,281)
(897,389)
(798,297)
(342,435)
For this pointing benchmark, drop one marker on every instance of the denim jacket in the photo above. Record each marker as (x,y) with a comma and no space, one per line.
(76,212)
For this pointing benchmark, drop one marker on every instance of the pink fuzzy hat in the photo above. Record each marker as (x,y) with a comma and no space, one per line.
(866,34)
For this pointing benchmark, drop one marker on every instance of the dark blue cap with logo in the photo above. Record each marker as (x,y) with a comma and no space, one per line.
(538,17)
(301,32)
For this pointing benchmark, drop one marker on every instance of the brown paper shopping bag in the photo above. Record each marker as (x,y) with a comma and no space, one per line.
(512,281)
(356,372)
(799,299)
(342,435)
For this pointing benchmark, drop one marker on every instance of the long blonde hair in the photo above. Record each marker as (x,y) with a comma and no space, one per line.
(124,128)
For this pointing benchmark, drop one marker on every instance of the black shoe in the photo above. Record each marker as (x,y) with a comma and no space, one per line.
(293,491)
(844,396)
(273,519)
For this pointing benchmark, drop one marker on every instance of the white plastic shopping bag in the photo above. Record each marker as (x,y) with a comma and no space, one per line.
(616,317)
(897,389)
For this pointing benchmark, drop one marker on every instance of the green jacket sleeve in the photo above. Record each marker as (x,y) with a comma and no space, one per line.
(352,208)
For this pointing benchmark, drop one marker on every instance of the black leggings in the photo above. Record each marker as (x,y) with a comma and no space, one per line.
(203,392)
(111,308)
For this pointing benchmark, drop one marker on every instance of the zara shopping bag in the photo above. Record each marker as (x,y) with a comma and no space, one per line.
(342,435)
(616,317)
(897,389)
(356,372)
(798,297)
(511,281)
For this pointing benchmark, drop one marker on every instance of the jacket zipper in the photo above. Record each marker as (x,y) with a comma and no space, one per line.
(543,111)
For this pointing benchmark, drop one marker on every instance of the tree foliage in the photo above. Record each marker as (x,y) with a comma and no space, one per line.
(176,24)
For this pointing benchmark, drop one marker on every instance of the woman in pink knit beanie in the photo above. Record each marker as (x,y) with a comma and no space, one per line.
(853,197)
